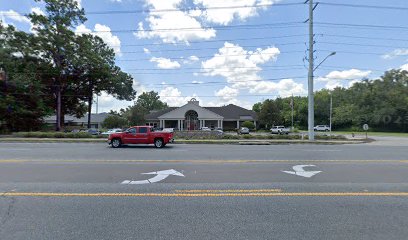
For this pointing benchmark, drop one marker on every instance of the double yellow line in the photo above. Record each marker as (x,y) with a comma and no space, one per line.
(197,161)
(210,194)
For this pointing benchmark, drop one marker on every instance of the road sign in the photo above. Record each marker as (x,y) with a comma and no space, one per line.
(299,171)
(160,175)
(365,127)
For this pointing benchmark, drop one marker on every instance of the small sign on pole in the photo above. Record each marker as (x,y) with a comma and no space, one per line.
(365,127)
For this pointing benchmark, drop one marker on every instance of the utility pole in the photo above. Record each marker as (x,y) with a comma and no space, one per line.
(291,103)
(310,75)
(331,110)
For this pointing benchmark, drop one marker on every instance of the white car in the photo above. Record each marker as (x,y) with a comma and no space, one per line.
(280,130)
(324,128)
(110,131)
(205,129)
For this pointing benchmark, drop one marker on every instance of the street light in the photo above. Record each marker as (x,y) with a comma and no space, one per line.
(311,103)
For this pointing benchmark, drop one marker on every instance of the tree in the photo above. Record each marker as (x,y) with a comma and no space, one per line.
(96,70)
(248,124)
(55,41)
(114,121)
(270,113)
(151,101)
(257,107)
(22,105)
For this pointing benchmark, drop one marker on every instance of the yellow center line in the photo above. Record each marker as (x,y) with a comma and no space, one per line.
(196,161)
(270,194)
(228,190)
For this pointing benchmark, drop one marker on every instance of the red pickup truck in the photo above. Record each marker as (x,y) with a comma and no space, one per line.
(141,135)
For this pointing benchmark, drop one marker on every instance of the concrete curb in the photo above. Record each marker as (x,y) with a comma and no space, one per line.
(184,141)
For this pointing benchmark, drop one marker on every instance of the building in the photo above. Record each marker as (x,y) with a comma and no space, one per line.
(96,120)
(192,116)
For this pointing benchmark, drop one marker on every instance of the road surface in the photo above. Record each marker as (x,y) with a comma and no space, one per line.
(82,191)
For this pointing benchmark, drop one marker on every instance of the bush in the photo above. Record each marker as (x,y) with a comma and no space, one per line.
(248,124)
(56,135)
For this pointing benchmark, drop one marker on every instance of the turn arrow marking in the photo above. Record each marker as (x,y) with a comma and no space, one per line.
(160,175)
(299,171)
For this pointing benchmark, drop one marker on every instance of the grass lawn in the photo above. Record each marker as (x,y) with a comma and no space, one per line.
(378,134)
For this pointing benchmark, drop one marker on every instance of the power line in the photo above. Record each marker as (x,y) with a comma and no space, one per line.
(146,11)
(364,6)
(367,26)
(211,41)
(203,57)
(362,37)
(241,26)
(214,48)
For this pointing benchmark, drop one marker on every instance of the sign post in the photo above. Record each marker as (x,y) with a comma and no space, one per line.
(365,127)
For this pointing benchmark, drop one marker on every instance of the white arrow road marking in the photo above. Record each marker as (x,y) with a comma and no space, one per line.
(299,171)
(160,175)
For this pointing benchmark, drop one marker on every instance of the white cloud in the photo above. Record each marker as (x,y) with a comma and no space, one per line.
(241,69)
(172,96)
(283,88)
(37,11)
(13,16)
(225,11)
(404,67)
(188,27)
(103,32)
(145,50)
(396,53)
(165,63)
(197,82)
(227,93)
(344,78)
(193,58)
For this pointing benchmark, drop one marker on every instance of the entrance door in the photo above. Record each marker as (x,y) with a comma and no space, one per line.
(130,136)
(191,122)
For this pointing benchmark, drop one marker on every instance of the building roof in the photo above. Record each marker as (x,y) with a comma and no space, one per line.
(229,112)
(155,114)
(95,118)
(232,111)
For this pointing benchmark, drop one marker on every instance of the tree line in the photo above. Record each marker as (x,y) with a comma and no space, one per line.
(381,103)
(52,70)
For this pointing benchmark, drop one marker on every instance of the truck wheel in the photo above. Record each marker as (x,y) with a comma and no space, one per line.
(116,143)
(158,143)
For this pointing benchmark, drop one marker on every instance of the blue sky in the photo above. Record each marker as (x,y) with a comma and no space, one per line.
(223,54)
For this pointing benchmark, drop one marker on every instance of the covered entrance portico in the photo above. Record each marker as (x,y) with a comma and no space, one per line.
(191,117)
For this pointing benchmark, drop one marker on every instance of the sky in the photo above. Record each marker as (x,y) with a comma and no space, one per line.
(238,51)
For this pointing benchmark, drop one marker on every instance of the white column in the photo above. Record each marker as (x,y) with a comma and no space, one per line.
(203,123)
(238,124)
(164,123)
(222,124)
(181,125)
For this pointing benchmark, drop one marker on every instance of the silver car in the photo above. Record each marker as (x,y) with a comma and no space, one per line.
(244,130)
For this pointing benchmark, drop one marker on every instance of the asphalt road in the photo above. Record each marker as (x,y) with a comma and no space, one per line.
(76,191)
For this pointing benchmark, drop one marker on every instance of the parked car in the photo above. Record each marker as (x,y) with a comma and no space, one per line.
(322,128)
(280,130)
(140,135)
(243,130)
(168,130)
(205,129)
(92,131)
(219,131)
(110,131)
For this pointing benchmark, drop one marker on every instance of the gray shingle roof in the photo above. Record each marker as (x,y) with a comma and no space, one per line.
(230,111)
(154,115)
